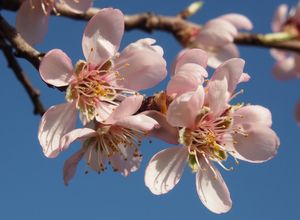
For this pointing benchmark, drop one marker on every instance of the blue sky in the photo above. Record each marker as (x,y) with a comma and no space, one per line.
(31,185)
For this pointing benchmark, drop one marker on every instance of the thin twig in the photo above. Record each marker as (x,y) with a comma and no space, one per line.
(22,48)
(21,76)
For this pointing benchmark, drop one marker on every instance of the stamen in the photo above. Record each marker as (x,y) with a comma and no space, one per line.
(225,168)
(236,94)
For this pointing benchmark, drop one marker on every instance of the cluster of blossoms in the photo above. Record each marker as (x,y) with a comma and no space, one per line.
(104,89)
(209,129)
(286,24)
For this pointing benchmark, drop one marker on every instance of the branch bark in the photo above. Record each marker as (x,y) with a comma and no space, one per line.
(22,48)
(21,76)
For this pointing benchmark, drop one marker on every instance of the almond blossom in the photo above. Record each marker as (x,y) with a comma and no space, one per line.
(217,35)
(116,141)
(287,23)
(32,17)
(99,84)
(209,130)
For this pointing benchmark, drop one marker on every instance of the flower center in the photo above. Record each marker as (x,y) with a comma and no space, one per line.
(92,87)
(112,141)
(205,139)
(88,88)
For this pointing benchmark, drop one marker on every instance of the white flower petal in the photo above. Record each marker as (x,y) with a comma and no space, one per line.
(165,169)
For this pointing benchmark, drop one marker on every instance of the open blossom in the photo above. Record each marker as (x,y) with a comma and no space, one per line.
(288,63)
(209,130)
(116,141)
(32,17)
(99,84)
(217,35)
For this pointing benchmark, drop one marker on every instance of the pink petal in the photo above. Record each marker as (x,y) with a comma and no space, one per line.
(217,96)
(260,143)
(244,78)
(127,107)
(285,69)
(56,68)
(102,36)
(231,70)
(165,131)
(187,78)
(145,43)
(70,137)
(138,122)
(70,165)
(77,6)
(297,112)
(95,158)
(32,23)
(279,54)
(238,20)
(221,54)
(212,189)
(131,164)
(196,56)
(103,111)
(280,16)
(216,32)
(253,114)
(140,66)
(165,169)
(55,123)
(183,110)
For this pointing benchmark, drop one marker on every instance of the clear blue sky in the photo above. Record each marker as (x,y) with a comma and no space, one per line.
(31,186)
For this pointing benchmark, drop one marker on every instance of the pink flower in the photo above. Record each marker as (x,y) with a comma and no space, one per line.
(188,72)
(32,17)
(209,130)
(99,84)
(117,141)
(288,63)
(217,35)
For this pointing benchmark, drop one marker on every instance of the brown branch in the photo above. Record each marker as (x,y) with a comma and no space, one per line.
(257,40)
(22,48)
(21,76)
(148,22)
(178,26)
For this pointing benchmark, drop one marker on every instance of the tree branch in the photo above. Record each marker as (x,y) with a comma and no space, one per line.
(178,26)
(22,48)
(21,76)
(148,22)
(257,40)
